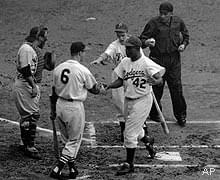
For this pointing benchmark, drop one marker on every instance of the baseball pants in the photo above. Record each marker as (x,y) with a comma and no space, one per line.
(136,112)
(28,109)
(172,76)
(71,122)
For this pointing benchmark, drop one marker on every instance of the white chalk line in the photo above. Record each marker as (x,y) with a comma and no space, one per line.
(93,142)
(168,165)
(46,130)
(160,147)
(93,145)
(168,122)
(92,134)
(83,177)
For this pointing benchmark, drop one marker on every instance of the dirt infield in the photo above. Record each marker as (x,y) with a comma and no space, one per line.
(68,21)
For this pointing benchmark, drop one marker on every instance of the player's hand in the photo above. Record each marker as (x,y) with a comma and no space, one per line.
(95,62)
(181,48)
(150,42)
(34,92)
(102,88)
(153,81)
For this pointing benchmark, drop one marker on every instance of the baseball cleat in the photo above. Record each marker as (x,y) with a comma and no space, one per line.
(149,142)
(125,169)
(32,152)
(58,176)
(182,122)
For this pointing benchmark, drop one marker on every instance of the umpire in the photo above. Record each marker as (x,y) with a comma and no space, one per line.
(166,35)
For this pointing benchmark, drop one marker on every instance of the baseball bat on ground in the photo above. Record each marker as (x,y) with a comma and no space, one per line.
(55,140)
(52,118)
(162,119)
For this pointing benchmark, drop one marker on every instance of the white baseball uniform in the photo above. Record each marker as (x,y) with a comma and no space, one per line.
(25,103)
(138,98)
(117,52)
(71,81)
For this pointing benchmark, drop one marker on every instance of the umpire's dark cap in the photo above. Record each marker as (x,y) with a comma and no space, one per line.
(35,32)
(133,41)
(121,27)
(78,47)
(166,6)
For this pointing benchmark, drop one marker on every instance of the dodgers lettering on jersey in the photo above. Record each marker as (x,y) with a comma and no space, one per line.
(117,52)
(26,56)
(135,74)
(71,80)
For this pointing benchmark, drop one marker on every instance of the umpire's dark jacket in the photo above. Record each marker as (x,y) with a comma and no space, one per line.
(166,34)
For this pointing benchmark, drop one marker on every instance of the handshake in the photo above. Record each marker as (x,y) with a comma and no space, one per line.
(102,88)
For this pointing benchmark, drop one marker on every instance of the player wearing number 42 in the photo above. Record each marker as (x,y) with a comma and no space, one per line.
(137,73)
(71,81)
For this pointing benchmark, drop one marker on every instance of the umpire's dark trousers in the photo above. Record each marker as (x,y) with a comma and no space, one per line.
(172,63)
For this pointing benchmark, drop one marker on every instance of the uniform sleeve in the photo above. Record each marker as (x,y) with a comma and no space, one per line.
(25,58)
(148,32)
(89,80)
(184,32)
(110,50)
(119,70)
(153,68)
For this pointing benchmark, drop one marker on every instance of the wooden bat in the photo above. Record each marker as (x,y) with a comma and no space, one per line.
(162,119)
(55,140)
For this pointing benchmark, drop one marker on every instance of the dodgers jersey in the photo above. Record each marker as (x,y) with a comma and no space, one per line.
(116,51)
(71,80)
(26,56)
(135,74)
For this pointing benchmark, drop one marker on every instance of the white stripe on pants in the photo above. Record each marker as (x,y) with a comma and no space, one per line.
(71,121)
(136,113)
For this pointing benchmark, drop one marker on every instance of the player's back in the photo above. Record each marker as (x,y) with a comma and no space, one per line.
(69,80)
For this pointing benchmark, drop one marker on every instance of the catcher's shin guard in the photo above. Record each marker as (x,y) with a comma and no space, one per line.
(24,130)
(32,129)
(149,142)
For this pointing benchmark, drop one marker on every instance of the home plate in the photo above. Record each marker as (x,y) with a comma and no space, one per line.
(168,156)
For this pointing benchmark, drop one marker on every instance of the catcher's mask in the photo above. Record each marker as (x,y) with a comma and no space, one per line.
(36,32)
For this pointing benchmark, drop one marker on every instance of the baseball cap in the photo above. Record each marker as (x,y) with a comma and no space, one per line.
(77,47)
(166,6)
(133,41)
(121,27)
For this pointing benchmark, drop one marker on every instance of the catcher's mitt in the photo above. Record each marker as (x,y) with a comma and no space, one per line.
(49,59)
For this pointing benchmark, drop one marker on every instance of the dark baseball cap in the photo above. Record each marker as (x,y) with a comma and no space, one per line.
(166,6)
(121,27)
(78,47)
(133,41)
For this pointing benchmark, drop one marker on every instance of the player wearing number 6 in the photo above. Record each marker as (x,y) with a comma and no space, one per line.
(137,73)
(71,81)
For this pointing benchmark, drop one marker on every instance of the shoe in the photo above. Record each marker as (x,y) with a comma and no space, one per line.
(149,142)
(58,176)
(72,175)
(125,169)
(32,152)
(182,122)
